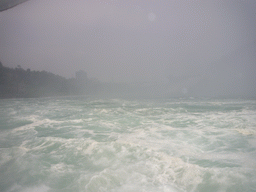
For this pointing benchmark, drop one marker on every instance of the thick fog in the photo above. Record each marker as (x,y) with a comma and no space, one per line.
(193,48)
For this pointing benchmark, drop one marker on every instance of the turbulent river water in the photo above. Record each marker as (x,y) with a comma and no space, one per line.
(85,144)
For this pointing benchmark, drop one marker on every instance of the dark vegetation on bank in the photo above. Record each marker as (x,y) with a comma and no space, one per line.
(21,83)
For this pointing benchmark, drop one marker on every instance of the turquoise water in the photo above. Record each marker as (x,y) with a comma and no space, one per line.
(83,144)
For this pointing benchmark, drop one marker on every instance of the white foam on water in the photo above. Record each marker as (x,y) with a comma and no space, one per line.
(246,132)
(155,168)
(90,147)
(79,132)
(126,146)
(87,120)
(61,168)
(107,124)
(124,179)
(36,123)
(55,144)
(37,188)
(40,188)
(5,156)
(77,121)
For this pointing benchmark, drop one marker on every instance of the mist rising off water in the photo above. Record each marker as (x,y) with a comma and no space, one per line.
(79,144)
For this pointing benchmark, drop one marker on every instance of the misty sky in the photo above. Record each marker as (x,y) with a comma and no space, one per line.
(125,41)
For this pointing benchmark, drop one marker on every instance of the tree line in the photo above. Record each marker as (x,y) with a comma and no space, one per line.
(21,83)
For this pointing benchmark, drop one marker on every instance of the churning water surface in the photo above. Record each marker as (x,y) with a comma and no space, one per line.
(82,144)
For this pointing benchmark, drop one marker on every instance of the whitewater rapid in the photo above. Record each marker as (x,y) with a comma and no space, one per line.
(83,144)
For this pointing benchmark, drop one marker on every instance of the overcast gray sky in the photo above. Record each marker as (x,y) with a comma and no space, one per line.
(125,41)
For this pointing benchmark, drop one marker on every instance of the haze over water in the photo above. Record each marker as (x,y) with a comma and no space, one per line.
(86,144)
(134,41)
(129,49)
